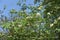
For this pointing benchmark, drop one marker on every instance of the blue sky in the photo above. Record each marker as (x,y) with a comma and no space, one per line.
(11,4)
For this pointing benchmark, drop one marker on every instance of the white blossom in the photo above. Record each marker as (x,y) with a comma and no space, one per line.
(38,14)
(48,13)
(51,25)
(19,25)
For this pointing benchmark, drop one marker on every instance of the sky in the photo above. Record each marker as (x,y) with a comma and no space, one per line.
(11,4)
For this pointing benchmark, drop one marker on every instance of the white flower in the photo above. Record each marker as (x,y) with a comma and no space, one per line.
(58,18)
(38,14)
(51,25)
(48,13)
(19,25)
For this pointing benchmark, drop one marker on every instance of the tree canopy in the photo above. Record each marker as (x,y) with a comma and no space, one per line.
(41,23)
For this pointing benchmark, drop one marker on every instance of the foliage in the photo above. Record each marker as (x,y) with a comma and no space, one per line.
(35,25)
(52,13)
